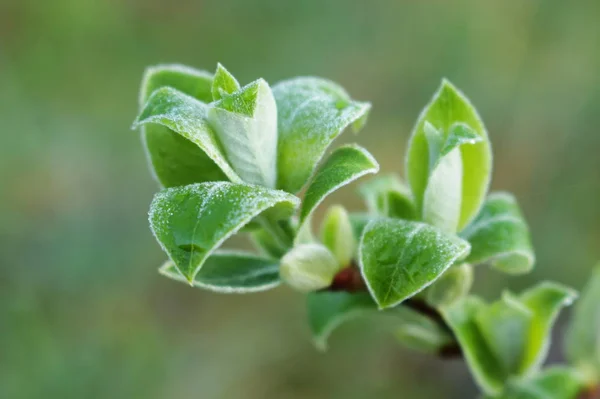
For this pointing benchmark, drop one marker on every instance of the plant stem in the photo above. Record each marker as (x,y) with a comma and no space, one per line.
(280,232)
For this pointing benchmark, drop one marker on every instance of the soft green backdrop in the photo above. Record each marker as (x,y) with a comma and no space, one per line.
(83,311)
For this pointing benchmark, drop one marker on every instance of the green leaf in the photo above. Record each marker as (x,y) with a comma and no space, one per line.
(311,113)
(387,196)
(399,258)
(448,111)
(510,337)
(327,310)
(186,116)
(582,341)
(343,166)
(419,332)
(337,234)
(544,301)
(191,222)
(246,124)
(174,160)
(452,286)
(499,235)
(443,195)
(557,382)
(309,267)
(231,272)
(485,367)
(224,83)
(504,325)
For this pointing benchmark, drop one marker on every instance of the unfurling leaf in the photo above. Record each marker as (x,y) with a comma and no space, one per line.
(231,272)
(399,258)
(387,196)
(582,341)
(311,113)
(499,235)
(327,310)
(337,234)
(453,118)
(443,195)
(452,286)
(508,338)
(343,166)
(186,116)
(191,222)
(223,83)
(309,267)
(246,124)
(174,160)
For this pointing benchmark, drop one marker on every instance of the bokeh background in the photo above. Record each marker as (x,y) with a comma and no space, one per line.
(83,312)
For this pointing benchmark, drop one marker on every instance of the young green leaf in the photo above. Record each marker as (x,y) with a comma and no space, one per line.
(557,382)
(508,338)
(343,166)
(223,83)
(582,341)
(443,195)
(309,267)
(311,113)
(327,310)
(399,258)
(246,124)
(186,116)
(337,234)
(387,196)
(452,286)
(448,108)
(544,301)
(174,160)
(485,367)
(499,235)
(231,272)
(191,222)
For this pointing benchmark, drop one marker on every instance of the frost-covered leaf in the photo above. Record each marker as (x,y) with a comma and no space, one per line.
(508,338)
(327,310)
(311,113)
(453,285)
(246,124)
(231,272)
(557,382)
(582,341)
(399,258)
(485,367)
(174,160)
(443,195)
(448,108)
(387,196)
(337,234)
(186,116)
(309,267)
(419,332)
(190,222)
(499,235)
(343,166)
(223,83)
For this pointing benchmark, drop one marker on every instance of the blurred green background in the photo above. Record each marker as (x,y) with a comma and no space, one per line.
(83,312)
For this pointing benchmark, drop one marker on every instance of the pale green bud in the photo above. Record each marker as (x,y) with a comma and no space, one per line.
(308,267)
